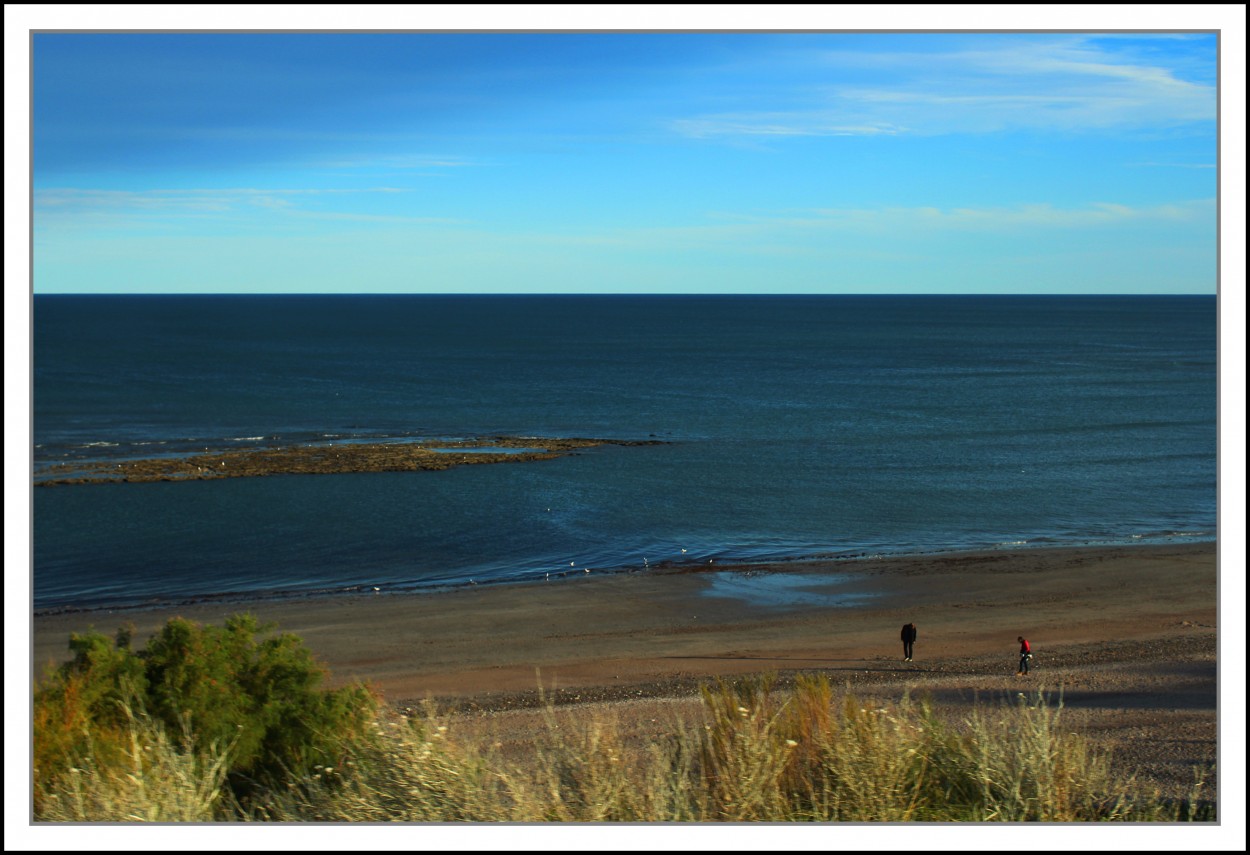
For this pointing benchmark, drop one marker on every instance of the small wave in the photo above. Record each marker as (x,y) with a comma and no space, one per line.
(244,438)
(99,445)
(1170,534)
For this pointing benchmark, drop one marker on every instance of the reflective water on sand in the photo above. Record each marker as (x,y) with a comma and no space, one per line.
(785,590)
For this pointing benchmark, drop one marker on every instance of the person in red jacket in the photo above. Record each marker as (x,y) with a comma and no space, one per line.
(1026,653)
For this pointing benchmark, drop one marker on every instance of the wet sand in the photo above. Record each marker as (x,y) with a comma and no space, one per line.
(599,629)
(1129,633)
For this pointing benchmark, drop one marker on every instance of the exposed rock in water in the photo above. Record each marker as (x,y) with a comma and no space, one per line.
(322,460)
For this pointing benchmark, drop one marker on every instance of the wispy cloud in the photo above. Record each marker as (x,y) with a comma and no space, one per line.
(1174,165)
(402,162)
(998,219)
(86,206)
(778,125)
(758,233)
(1059,83)
(191,199)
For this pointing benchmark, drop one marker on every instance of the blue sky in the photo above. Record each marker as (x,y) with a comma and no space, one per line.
(795,162)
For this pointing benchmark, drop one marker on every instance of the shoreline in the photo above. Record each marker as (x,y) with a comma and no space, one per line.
(668,567)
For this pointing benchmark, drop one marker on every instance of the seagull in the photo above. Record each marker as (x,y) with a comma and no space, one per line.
(683,551)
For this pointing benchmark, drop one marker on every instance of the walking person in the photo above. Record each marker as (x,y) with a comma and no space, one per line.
(909,639)
(1026,653)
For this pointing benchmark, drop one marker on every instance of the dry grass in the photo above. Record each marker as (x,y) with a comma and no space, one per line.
(757,755)
(155,781)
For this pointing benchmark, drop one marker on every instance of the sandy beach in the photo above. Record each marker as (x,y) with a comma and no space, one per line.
(1128,634)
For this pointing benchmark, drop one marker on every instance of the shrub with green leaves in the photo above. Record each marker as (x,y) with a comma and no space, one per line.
(226,688)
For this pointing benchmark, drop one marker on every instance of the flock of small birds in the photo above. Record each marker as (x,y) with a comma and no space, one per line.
(646,563)
(547,574)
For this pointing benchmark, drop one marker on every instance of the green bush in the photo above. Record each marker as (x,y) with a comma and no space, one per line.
(223,688)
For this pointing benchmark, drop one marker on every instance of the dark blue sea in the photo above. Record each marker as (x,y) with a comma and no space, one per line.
(794,427)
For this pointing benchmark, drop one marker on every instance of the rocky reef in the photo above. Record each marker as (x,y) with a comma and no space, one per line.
(323,459)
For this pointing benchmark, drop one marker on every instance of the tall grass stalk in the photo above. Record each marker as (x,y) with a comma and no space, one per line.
(155,781)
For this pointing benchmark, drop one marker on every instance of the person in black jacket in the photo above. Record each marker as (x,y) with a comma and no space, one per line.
(909,639)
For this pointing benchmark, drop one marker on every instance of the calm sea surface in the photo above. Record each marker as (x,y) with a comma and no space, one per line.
(796,427)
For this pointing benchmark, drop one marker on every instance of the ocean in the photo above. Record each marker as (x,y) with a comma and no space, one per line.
(792,426)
